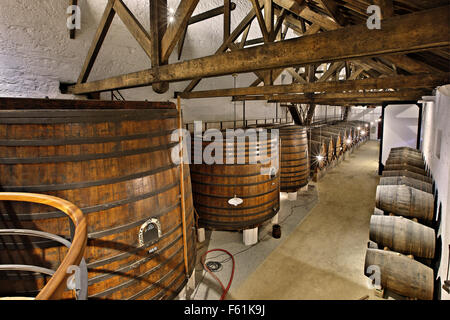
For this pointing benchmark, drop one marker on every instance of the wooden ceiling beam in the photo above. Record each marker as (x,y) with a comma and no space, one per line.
(410,65)
(269,17)
(403,95)
(295,7)
(102,30)
(243,25)
(387,8)
(175,30)
(226,19)
(406,94)
(134,26)
(262,24)
(400,34)
(333,10)
(398,82)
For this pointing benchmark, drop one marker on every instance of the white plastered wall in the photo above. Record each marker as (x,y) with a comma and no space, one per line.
(400,128)
(436,117)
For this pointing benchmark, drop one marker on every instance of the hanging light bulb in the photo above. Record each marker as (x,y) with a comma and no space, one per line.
(349,141)
(363,132)
(367,125)
(319,157)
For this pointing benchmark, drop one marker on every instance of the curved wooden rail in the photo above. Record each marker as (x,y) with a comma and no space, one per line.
(55,287)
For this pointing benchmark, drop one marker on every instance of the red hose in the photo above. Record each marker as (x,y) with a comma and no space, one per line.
(224,290)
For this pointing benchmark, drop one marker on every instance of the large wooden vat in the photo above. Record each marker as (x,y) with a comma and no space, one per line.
(410,182)
(294,158)
(405,161)
(405,201)
(403,235)
(335,137)
(113,160)
(404,167)
(406,173)
(343,136)
(401,274)
(257,183)
(351,130)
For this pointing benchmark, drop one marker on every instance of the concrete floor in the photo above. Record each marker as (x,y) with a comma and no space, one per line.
(322,249)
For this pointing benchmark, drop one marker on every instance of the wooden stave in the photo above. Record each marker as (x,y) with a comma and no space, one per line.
(401,274)
(90,138)
(403,235)
(404,201)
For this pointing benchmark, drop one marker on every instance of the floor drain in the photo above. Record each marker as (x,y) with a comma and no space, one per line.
(214,266)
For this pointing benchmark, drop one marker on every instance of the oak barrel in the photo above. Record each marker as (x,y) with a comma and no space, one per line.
(113,160)
(405,201)
(406,149)
(407,154)
(403,235)
(406,161)
(405,167)
(406,173)
(294,158)
(257,182)
(410,182)
(401,274)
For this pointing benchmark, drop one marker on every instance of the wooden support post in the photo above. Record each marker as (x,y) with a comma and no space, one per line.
(72,32)
(226,19)
(269,17)
(158,26)
(261,21)
(100,35)
(175,30)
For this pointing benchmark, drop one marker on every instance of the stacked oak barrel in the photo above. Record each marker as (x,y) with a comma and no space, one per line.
(402,243)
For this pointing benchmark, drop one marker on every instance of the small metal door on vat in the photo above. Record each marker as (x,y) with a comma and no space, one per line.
(150,232)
